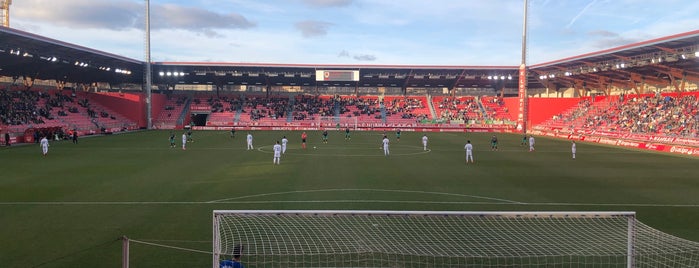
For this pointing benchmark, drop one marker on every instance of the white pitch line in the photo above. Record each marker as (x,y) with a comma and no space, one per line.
(367,190)
(345,202)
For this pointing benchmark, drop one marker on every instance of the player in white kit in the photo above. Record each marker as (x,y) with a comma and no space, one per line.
(284,142)
(531,143)
(385,142)
(249,139)
(424,142)
(44,143)
(184,141)
(277,153)
(469,151)
(573,148)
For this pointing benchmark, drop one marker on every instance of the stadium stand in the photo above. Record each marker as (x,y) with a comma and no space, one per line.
(41,108)
(171,112)
(495,108)
(669,114)
(457,108)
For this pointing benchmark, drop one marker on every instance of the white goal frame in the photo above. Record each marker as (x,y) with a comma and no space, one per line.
(543,215)
(325,122)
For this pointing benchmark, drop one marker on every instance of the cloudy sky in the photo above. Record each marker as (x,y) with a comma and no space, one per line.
(367,32)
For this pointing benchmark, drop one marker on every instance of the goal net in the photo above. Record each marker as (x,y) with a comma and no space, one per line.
(445,239)
(340,122)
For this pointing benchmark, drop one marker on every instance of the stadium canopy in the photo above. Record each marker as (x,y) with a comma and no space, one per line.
(662,62)
(308,75)
(38,57)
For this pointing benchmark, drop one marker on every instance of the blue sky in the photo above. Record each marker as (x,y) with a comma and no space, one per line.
(366,32)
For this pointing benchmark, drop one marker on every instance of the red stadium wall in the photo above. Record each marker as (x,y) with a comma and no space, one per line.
(128,104)
(542,109)
(157,104)
(512,104)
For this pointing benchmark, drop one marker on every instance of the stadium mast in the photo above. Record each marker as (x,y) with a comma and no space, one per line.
(147,73)
(5,12)
(522,90)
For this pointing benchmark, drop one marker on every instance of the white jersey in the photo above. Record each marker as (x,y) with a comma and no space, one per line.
(573,148)
(284,142)
(249,138)
(531,141)
(184,138)
(44,142)
(44,145)
(469,152)
(277,150)
(385,142)
(424,139)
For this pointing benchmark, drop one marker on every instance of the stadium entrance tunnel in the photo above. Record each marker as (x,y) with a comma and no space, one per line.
(199,119)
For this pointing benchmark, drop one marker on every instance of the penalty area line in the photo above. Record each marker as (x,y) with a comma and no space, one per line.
(83,203)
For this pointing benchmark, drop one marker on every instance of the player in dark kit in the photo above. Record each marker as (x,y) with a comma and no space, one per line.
(398,135)
(325,136)
(347,134)
(524,140)
(172,140)
(494,143)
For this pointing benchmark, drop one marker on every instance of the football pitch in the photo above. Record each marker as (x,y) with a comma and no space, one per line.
(70,208)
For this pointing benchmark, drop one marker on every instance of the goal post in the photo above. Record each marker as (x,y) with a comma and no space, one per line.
(327,238)
(340,121)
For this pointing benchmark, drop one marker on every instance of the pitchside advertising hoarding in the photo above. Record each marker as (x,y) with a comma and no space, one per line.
(683,146)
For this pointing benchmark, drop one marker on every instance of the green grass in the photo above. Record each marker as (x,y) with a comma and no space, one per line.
(69,209)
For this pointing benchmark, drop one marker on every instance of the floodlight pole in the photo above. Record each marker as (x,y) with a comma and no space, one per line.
(147,72)
(522,87)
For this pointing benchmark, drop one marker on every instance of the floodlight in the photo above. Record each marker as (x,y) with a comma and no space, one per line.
(161,73)
(490,77)
(181,73)
(696,54)
(502,77)
(509,77)
(169,73)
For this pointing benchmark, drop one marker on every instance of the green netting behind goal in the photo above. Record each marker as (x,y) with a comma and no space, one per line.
(446,239)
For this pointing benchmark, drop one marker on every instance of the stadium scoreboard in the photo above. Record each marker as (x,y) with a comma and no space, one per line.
(337,75)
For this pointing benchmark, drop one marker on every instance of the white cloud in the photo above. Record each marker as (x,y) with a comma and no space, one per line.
(327,3)
(311,28)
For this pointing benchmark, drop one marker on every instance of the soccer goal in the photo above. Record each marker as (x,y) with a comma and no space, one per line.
(335,121)
(445,239)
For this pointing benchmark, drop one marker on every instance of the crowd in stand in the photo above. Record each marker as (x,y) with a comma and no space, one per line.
(307,107)
(459,109)
(258,107)
(493,106)
(656,114)
(19,107)
(405,107)
(35,107)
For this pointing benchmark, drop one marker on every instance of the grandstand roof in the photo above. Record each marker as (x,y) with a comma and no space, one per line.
(26,54)
(657,62)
